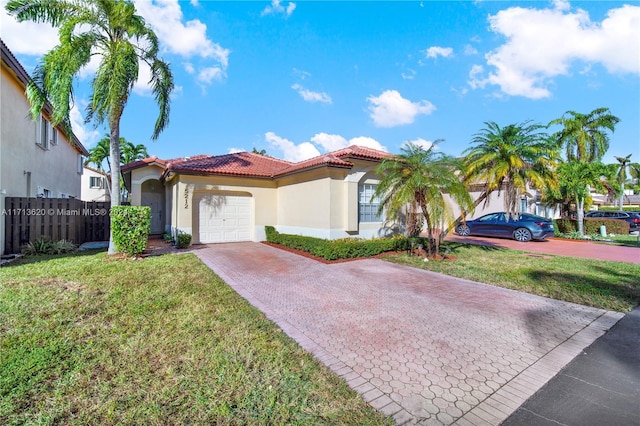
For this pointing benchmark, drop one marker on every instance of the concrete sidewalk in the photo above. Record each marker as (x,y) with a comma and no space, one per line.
(421,347)
(601,386)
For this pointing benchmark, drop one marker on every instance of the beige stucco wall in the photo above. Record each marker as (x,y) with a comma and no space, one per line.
(184,188)
(24,166)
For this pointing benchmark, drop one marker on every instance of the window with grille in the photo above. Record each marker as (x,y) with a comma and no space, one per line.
(368,206)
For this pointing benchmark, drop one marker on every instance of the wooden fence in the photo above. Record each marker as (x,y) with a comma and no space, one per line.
(27,219)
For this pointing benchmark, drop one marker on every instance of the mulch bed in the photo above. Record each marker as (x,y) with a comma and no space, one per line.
(328,262)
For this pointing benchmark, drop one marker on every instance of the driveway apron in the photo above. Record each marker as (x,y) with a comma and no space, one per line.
(421,347)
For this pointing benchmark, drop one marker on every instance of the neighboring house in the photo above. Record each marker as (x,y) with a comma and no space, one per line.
(232,197)
(530,202)
(95,185)
(36,158)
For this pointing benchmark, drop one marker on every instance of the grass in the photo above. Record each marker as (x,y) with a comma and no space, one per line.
(623,240)
(86,339)
(598,283)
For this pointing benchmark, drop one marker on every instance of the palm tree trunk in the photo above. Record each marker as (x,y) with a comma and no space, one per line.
(114,153)
(621,194)
(580,214)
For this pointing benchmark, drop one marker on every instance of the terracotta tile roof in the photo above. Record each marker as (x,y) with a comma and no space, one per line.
(338,158)
(256,165)
(237,164)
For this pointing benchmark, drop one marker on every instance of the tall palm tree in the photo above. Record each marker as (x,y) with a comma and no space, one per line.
(585,136)
(422,177)
(510,159)
(112,30)
(625,163)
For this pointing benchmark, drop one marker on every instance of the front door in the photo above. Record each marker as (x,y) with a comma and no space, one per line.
(154,200)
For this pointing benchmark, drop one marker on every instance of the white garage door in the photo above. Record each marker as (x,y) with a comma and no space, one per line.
(224,218)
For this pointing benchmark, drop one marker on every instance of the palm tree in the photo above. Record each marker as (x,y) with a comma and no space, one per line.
(131,152)
(584,136)
(621,175)
(510,159)
(422,177)
(99,153)
(577,178)
(112,30)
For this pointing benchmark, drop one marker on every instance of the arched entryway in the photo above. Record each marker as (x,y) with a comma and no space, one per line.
(152,195)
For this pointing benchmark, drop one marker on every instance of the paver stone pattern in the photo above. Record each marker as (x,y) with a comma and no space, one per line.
(422,347)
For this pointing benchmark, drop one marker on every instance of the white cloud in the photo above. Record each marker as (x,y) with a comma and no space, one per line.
(368,142)
(435,51)
(409,75)
(189,68)
(470,50)
(207,75)
(545,43)
(26,38)
(419,142)
(87,136)
(311,96)
(325,141)
(276,8)
(291,151)
(235,150)
(391,109)
(187,39)
(330,142)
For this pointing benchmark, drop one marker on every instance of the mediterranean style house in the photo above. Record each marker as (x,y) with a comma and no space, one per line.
(232,197)
(36,158)
(229,198)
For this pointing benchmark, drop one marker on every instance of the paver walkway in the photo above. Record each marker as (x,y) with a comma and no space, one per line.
(422,347)
(585,249)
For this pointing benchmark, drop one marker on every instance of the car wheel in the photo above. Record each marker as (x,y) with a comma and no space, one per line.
(463,230)
(522,234)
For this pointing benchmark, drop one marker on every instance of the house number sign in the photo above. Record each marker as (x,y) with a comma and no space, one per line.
(186,197)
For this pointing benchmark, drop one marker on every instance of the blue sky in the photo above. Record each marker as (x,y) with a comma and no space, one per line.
(299,79)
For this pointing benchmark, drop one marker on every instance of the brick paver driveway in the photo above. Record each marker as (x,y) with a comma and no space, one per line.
(422,347)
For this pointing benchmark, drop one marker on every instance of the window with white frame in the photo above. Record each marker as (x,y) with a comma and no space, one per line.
(95,182)
(44,133)
(368,205)
(54,136)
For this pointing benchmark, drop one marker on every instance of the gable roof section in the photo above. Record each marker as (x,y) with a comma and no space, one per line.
(22,76)
(249,164)
(237,164)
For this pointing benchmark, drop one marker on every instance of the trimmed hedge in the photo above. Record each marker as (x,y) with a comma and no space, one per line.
(617,209)
(346,248)
(592,225)
(131,226)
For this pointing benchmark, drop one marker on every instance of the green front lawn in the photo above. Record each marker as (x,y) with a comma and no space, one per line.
(85,339)
(607,285)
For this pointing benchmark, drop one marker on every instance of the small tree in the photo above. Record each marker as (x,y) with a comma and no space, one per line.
(576,180)
(422,177)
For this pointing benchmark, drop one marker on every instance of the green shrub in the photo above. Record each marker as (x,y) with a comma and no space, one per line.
(183,241)
(43,245)
(617,208)
(130,226)
(592,225)
(346,248)
(614,226)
